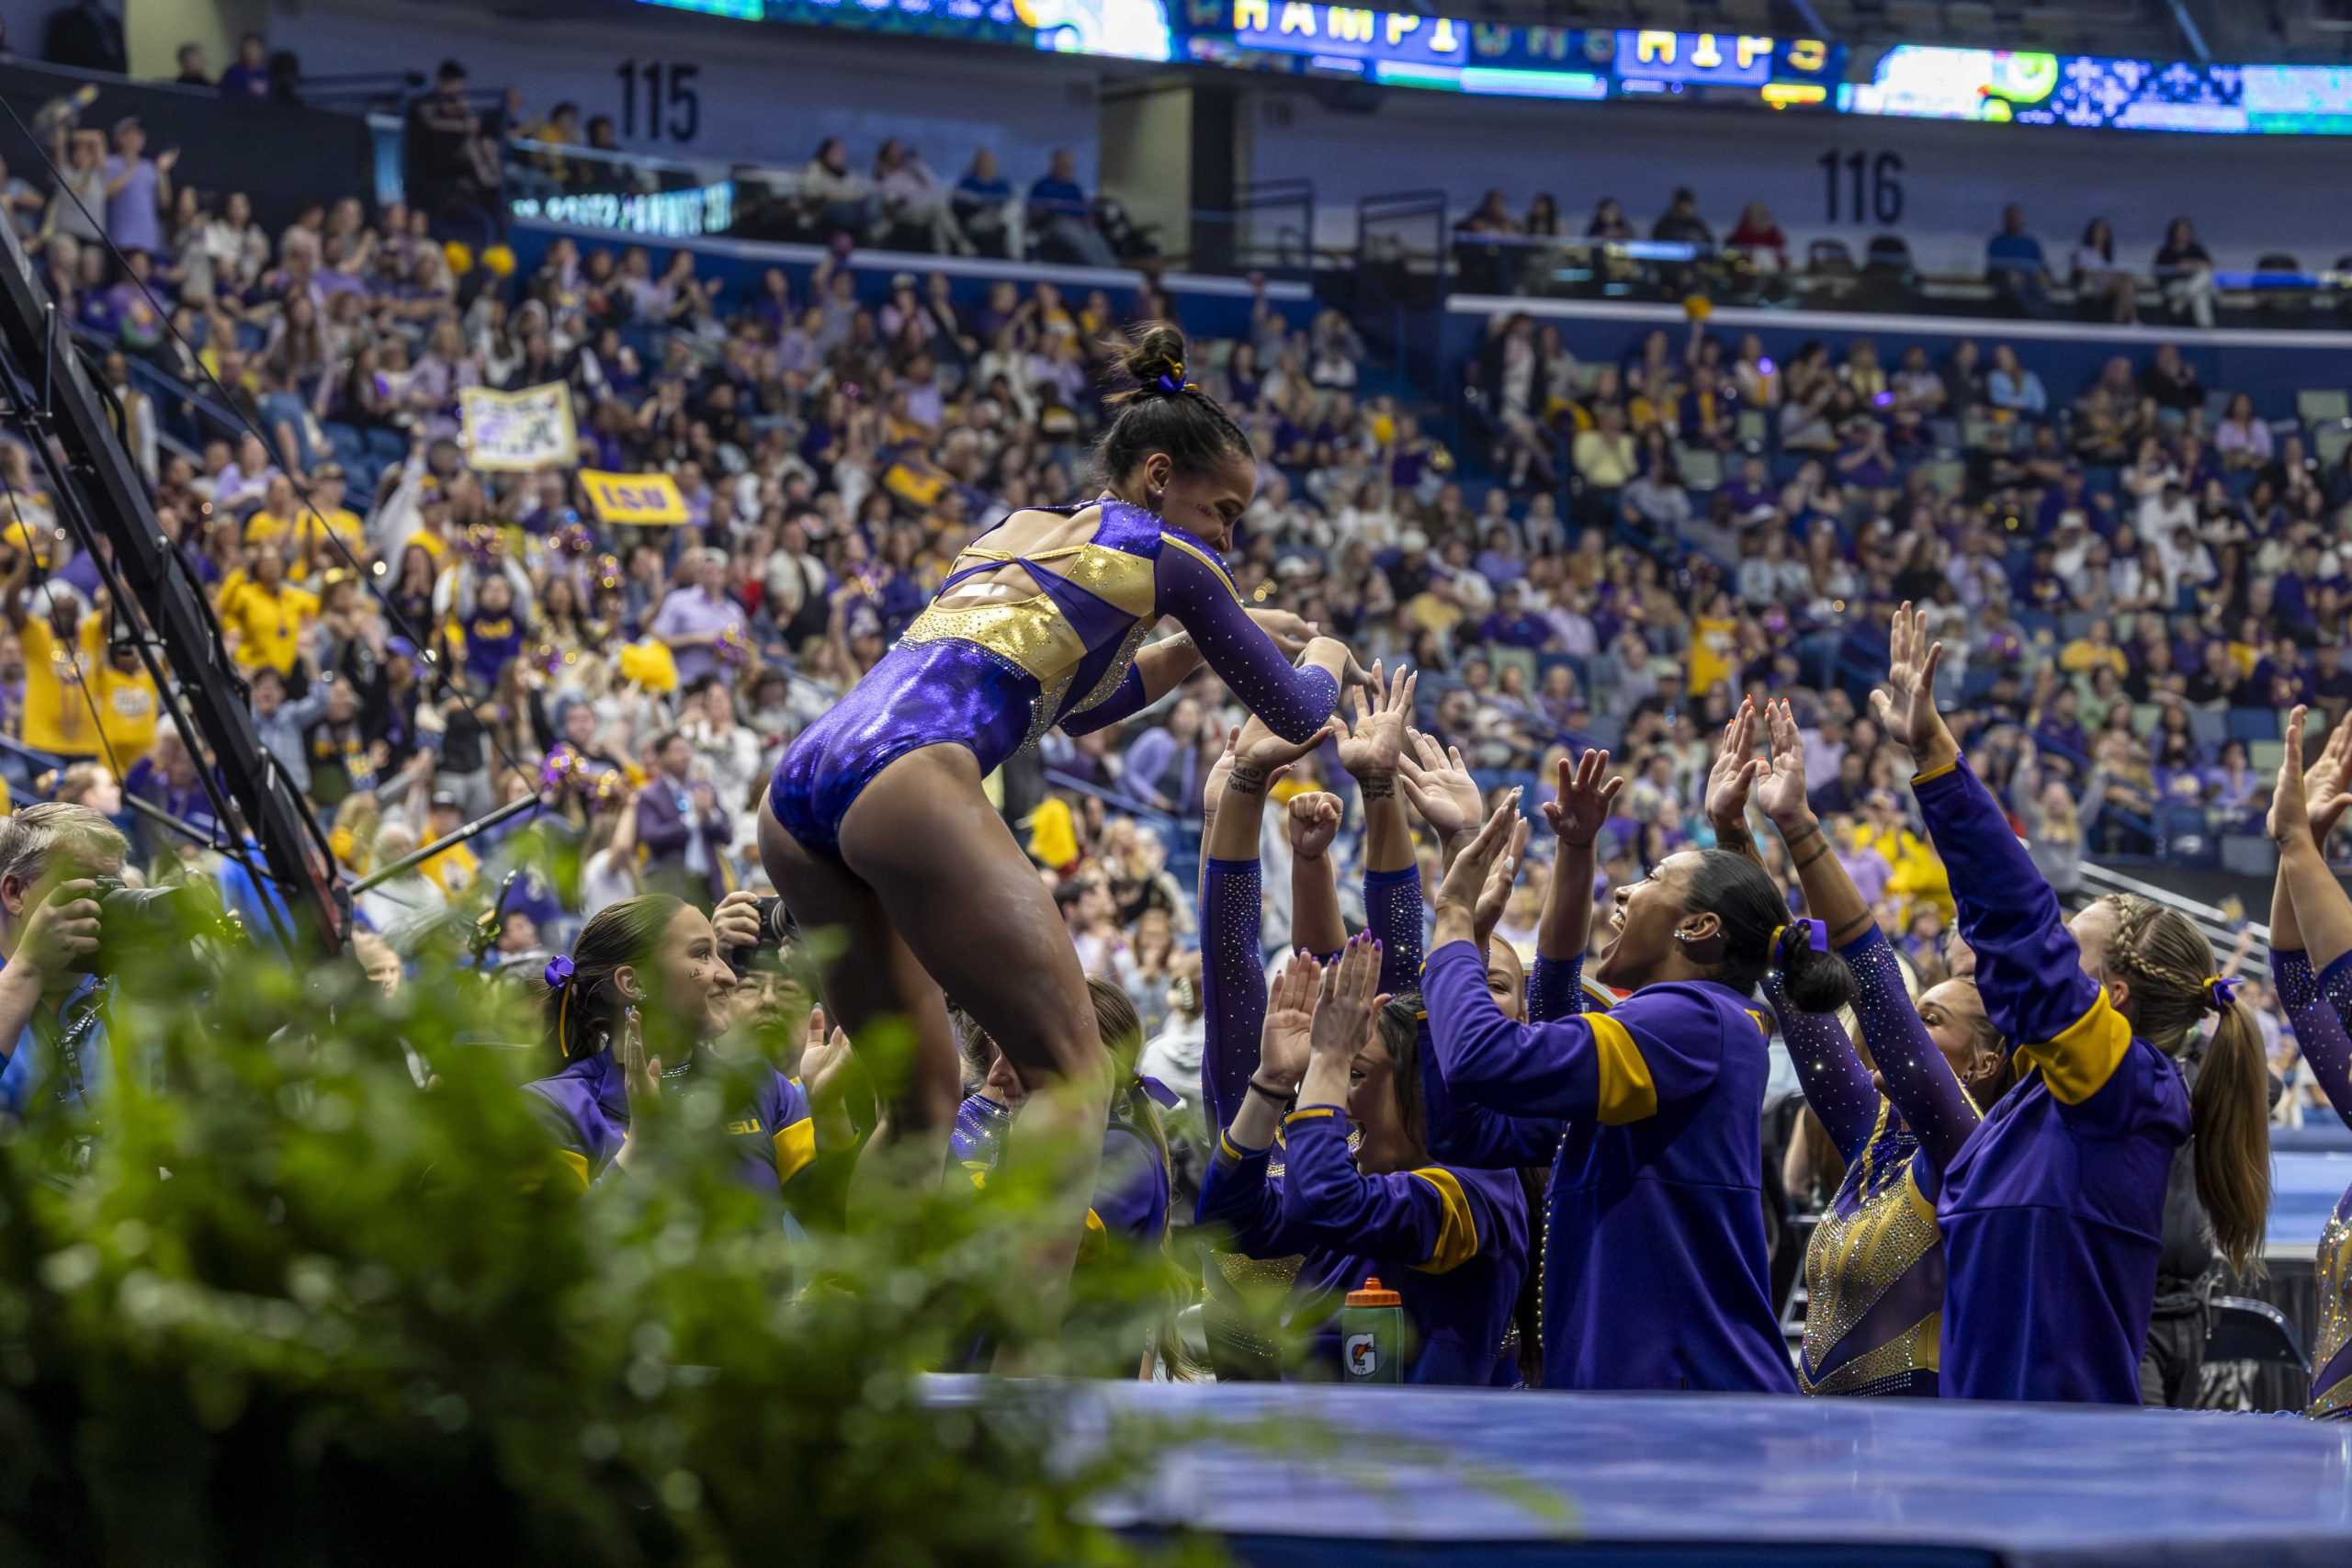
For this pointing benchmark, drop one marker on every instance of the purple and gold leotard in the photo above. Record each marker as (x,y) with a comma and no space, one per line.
(1875,1270)
(994,677)
(2318,1004)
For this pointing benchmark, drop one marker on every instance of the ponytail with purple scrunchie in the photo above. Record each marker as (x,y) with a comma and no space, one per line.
(558,975)
(1817,934)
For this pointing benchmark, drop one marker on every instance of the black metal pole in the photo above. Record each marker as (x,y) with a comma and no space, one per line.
(512,808)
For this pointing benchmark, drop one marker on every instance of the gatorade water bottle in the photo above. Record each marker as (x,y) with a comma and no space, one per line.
(1372,1335)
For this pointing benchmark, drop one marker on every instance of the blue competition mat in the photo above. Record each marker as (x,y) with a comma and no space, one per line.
(1372,1477)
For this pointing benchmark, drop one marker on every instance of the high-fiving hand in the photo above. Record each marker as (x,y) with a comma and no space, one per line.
(2290,821)
(1284,1040)
(1466,877)
(1906,703)
(1438,784)
(1582,799)
(1374,743)
(2327,783)
(1264,756)
(1350,996)
(1780,789)
(1733,775)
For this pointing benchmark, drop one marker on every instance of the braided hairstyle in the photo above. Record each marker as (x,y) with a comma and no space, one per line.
(2172,989)
(1159,410)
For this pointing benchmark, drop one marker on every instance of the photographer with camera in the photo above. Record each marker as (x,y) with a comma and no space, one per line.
(57,864)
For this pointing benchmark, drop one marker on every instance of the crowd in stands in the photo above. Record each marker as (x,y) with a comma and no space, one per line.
(2132,579)
(1496,250)
(898,201)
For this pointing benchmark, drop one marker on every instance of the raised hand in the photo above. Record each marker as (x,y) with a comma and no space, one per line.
(1213,787)
(2327,784)
(1439,784)
(1350,995)
(1283,1044)
(1264,756)
(1372,746)
(1466,877)
(1290,632)
(2289,819)
(1495,896)
(1906,703)
(1734,773)
(1582,799)
(829,1073)
(640,1072)
(1782,790)
(1314,821)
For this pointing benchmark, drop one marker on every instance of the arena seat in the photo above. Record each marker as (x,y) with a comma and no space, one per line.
(2313,404)
(2245,1329)
(2254,724)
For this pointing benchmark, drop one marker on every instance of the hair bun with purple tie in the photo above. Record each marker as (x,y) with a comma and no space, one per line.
(558,973)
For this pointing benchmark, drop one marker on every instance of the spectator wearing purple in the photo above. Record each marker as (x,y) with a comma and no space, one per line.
(2060,730)
(696,613)
(1060,211)
(1752,495)
(1518,620)
(1846,791)
(2071,495)
(681,825)
(138,189)
(2330,680)
(1162,765)
(248,77)
(1501,562)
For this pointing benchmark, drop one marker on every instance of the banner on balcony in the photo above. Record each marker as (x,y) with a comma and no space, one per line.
(522,431)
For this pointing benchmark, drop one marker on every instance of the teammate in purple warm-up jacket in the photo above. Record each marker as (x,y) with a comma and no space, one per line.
(1655,1267)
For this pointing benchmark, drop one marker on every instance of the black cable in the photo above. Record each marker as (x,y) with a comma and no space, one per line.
(398,622)
(120,596)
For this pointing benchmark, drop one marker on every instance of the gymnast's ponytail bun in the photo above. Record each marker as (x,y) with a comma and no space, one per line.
(1759,936)
(1159,409)
(1815,979)
(1150,360)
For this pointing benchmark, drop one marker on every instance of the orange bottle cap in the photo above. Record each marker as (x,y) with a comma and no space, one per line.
(1372,1296)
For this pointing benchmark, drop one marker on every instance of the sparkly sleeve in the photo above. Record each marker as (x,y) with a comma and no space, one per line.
(1232,983)
(1193,588)
(2316,1005)
(1831,1075)
(1125,699)
(1392,912)
(1555,989)
(1918,1079)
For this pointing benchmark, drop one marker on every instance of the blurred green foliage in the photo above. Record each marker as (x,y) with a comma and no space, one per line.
(297,1309)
